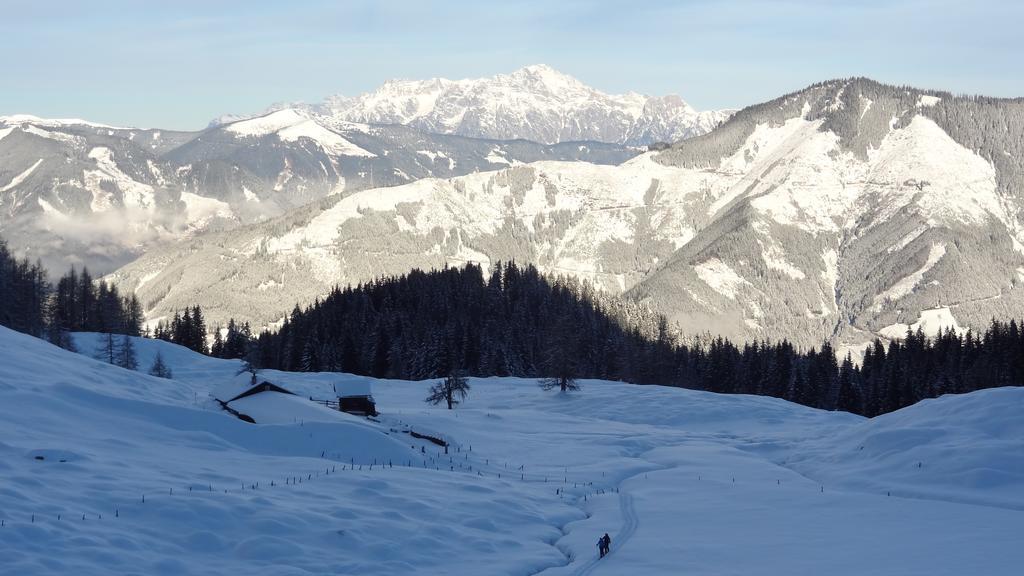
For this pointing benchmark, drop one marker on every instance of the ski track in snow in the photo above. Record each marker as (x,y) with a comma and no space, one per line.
(629,526)
(632,520)
(630,523)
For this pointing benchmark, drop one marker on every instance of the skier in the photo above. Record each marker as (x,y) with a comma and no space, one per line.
(604,544)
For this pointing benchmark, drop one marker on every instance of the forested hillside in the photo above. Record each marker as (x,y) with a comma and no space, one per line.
(517,322)
(29,303)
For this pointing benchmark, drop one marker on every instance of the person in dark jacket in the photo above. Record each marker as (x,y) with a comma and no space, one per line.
(604,544)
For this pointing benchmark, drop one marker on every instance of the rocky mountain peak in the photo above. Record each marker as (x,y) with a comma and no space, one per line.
(535,102)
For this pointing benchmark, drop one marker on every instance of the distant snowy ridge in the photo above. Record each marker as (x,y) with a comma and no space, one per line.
(20,119)
(534,103)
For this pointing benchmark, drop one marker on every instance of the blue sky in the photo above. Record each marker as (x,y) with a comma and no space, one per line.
(179,63)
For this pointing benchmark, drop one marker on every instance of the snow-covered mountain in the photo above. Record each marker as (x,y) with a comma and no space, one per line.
(110,471)
(534,103)
(849,210)
(74,192)
(844,211)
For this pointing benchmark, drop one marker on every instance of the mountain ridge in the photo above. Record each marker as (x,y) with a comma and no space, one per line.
(535,103)
(75,192)
(843,212)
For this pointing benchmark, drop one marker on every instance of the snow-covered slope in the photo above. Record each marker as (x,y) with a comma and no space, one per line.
(290,125)
(943,448)
(606,224)
(113,472)
(534,103)
(840,212)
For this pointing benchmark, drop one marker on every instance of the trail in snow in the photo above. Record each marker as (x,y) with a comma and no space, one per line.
(629,525)
(631,520)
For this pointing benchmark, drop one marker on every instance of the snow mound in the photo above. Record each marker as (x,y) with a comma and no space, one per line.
(961,448)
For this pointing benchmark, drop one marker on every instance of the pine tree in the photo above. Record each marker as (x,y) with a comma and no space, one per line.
(562,357)
(64,303)
(197,332)
(86,303)
(182,329)
(133,315)
(106,348)
(126,354)
(217,349)
(849,396)
(159,368)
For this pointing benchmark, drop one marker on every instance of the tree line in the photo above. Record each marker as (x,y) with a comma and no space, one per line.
(888,377)
(30,303)
(429,324)
(517,322)
(186,329)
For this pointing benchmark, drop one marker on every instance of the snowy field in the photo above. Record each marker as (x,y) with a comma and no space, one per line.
(105,471)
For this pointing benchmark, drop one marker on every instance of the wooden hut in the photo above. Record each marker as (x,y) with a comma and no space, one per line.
(355,397)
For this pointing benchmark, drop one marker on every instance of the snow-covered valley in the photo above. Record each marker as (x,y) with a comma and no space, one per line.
(111,471)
